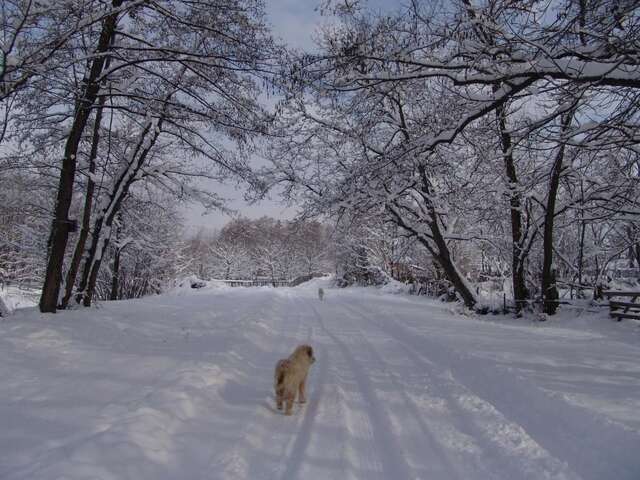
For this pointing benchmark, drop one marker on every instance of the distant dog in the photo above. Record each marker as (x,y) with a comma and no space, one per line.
(321,293)
(290,377)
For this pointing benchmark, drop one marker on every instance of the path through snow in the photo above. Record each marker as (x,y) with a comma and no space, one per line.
(179,387)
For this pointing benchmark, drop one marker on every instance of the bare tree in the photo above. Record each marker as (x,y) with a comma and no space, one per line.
(131,52)
(399,101)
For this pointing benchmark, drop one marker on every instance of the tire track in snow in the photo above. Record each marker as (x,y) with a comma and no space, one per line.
(550,422)
(388,452)
(273,445)
(439,439)
(323,448)
(408,417)
(262,429)
(360,455)
(489,459)
(296,454)
(302,459)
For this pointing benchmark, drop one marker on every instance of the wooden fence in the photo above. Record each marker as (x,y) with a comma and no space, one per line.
(267,282)
(256,283)
(623,309)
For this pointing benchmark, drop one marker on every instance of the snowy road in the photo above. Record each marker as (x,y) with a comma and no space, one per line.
(179,387)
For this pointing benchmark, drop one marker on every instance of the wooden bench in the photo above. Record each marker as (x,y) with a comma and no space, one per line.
(623,309)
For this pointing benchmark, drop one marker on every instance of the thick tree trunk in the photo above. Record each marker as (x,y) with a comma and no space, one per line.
(441,253)
(86,214)
(437,246)
(60,227)
(549,289)
(518,254)
(443,257)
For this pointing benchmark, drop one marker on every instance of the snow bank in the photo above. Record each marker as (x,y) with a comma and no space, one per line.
(394,287)
(191,284)
(15,297)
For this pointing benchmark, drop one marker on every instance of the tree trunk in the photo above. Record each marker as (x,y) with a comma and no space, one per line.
(443,257)
(634,248)
(86,214)
(582,235)
(104,222)
(518,254)
(94,268)
(115,275)
(549,289)
(60,227)
(581,257)
(437,246)
(441,252)
(4,310)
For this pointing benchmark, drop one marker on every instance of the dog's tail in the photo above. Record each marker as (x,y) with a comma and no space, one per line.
(281,369)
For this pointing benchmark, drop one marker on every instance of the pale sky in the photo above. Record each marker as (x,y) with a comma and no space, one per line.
(295,22)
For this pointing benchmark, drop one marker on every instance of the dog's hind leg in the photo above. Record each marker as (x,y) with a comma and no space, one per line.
(302,390)
(289,397)
(279,388)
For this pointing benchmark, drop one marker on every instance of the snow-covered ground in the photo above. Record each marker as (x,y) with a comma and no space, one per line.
(180,387)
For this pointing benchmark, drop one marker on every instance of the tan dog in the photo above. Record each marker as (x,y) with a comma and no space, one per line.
(290,377)
(321,293)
